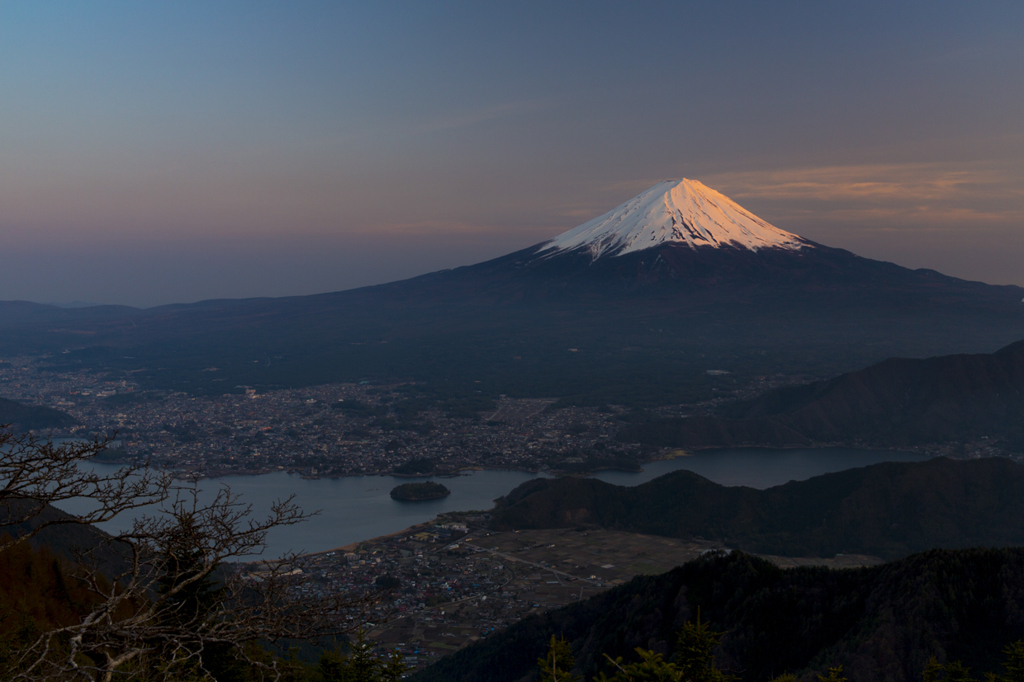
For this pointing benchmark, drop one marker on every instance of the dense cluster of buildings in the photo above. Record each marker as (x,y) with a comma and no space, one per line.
(344,429)
(434,588)
(415,583)
(327,430)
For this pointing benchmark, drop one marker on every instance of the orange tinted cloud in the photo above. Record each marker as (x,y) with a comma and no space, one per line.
(931,193)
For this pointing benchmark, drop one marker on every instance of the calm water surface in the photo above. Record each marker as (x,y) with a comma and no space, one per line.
(359,507)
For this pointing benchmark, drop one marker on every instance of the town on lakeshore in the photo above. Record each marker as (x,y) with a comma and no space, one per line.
(322,431)
(344,429)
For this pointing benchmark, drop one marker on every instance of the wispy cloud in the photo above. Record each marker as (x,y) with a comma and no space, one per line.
(883,219)
(932,193)
(919,181)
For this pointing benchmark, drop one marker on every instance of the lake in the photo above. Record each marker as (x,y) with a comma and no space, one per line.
(360,507)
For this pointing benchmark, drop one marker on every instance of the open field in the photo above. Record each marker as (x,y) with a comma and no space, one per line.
(522,572)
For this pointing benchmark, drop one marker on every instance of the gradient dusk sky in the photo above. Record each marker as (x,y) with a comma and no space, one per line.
(158,152)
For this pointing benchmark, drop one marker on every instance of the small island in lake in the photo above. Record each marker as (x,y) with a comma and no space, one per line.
(417,492)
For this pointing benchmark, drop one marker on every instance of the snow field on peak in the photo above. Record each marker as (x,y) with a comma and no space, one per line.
(674,211)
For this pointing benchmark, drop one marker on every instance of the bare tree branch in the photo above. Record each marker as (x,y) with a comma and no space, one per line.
(179,600)
(36,473)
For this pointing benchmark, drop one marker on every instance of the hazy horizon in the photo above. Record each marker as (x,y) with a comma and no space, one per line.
(169,153)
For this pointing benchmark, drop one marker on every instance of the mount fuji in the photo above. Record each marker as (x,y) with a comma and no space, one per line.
(672,296)
(684,213)
(681,235)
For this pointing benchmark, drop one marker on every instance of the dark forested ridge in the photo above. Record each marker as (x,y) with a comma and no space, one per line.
(23,417)
(888,510)
(37,591)
(895,402)
(881,623)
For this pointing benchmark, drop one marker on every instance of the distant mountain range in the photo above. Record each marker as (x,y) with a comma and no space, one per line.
(632,307)
(895,402)
(888,510)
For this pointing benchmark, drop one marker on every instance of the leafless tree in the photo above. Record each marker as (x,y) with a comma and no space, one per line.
(36,473)
(178,601)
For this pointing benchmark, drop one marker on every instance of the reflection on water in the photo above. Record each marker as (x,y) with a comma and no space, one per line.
(360,507)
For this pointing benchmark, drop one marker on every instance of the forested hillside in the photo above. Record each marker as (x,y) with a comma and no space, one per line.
(888,510)
(896,402)
(37,593)
(23,417)
(881,623)
(68,541)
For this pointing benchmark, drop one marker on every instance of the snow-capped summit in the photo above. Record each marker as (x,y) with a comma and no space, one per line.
(674,211)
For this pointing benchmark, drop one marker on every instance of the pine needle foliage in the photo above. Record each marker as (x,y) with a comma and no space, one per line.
(361,663)
(557,665)
(833,675)
(694,652)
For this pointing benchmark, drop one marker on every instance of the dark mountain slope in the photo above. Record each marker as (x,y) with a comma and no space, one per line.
(37,592)
(23,417)
(896,402)
(881,623)
(648,323)
(888,510)
(73,542)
